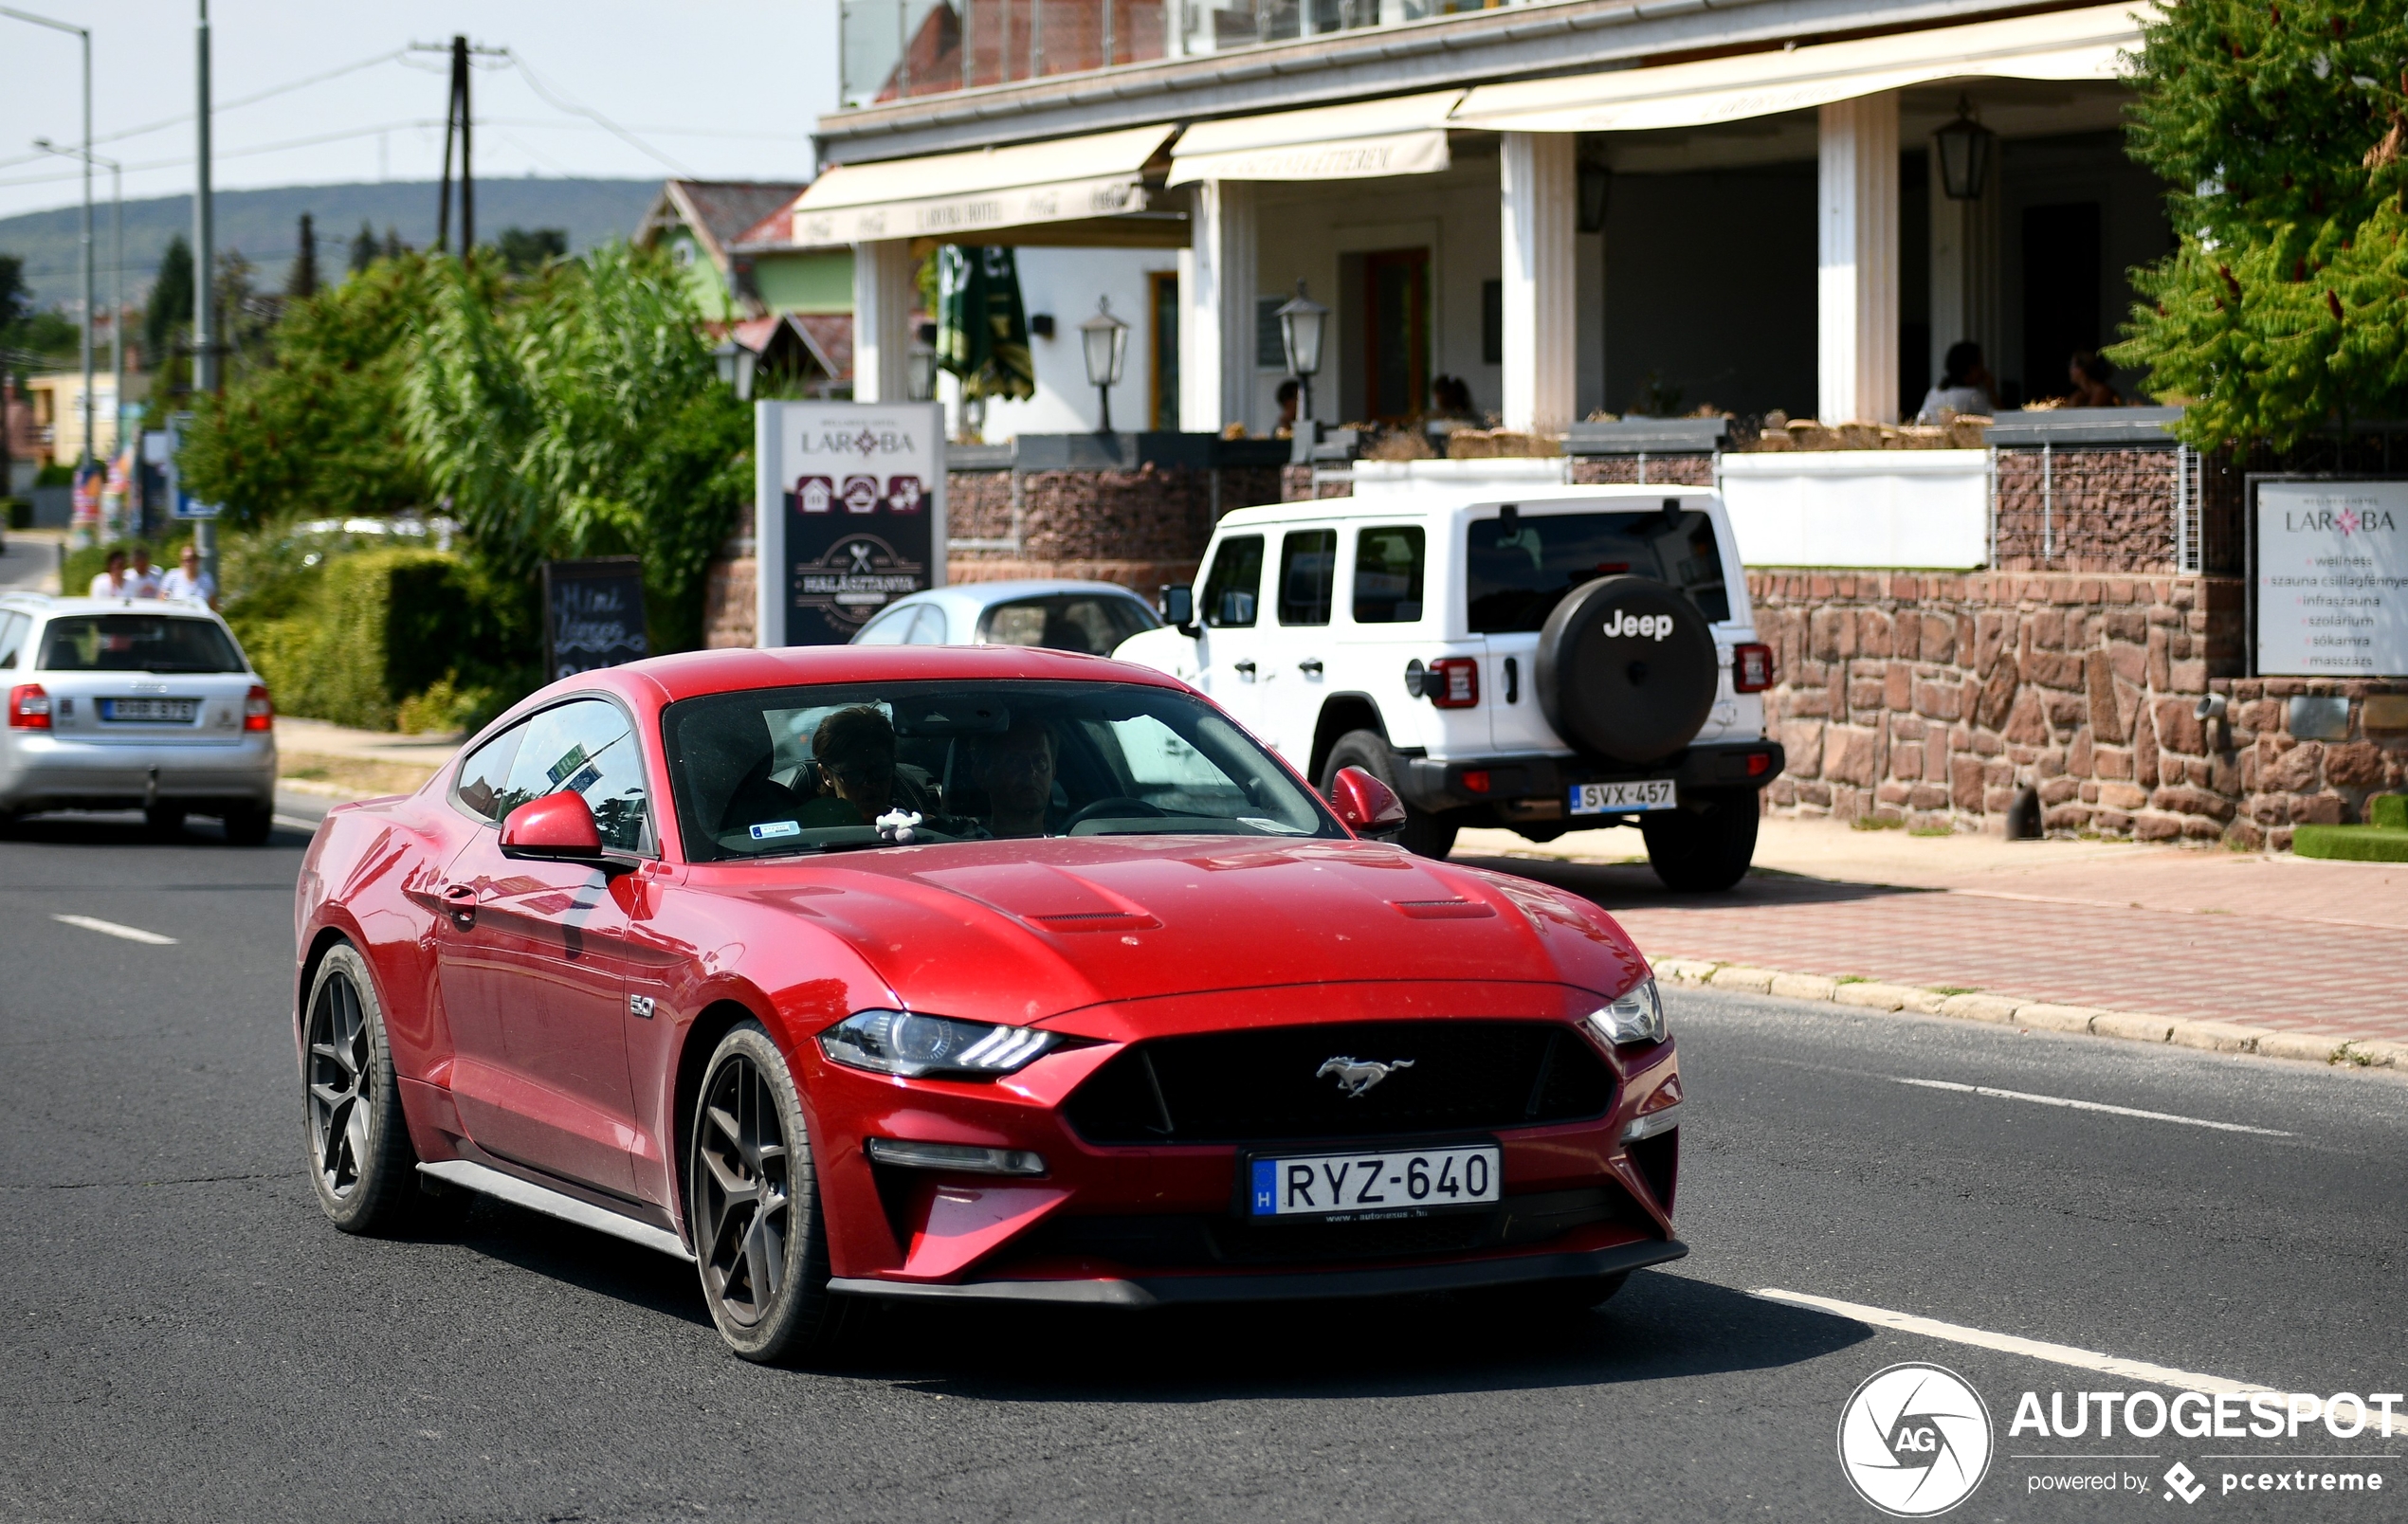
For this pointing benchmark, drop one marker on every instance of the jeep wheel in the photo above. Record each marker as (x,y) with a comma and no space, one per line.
(1425,834)
(1626,669)
(1700,850)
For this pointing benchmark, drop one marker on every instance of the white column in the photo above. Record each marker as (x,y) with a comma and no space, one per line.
(1539,187)
(1216,307)
(1964,270)
(883,294)
(1856,284)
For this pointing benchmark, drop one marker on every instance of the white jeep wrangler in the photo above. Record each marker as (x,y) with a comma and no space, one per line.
(1543,657)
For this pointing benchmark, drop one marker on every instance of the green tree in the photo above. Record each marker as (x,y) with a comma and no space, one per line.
(2281,127)
(584,417)
(316,431)
(527,251)
(14,294)
(168,315)
(363,248)
(301,280)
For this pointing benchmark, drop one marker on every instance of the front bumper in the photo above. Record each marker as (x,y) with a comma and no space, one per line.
(1397,1280)
(40,771)
(1435,785)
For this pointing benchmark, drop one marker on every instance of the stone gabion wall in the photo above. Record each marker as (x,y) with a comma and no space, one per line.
(1296,484)
(1666,471)
(1141,528)
(2104,510)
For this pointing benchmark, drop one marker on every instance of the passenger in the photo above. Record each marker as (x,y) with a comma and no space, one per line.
(1016,771)
(853,757)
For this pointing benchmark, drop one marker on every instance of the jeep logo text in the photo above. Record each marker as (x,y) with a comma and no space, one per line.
(1647,626)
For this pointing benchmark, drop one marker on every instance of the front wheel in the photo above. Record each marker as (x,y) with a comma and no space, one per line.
(361,1159)
(1424,834)
(759,1238)
(1701,851)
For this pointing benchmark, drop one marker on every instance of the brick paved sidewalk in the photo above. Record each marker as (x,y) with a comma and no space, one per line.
(2276,943)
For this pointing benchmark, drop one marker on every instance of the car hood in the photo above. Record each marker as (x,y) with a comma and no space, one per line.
(1023,930)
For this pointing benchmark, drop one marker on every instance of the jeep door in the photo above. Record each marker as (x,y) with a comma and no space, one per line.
(1295,660)
(1228,650)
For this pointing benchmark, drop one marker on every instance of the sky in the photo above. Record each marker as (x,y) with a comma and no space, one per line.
(711,89)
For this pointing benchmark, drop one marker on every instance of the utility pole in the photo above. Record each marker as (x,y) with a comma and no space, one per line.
(86,38)
(457,127)
(116,280)
(204,281)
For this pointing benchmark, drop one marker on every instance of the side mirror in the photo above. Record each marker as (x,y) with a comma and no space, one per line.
(558,828)
(1179,608)
(1366,803)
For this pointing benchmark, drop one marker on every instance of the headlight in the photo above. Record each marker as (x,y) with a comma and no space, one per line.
(1637,1016)
(909,1044)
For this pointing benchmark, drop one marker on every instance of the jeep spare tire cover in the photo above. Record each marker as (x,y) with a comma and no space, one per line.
(1626,669)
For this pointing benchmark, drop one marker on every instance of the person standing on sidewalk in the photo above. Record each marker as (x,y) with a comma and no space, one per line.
(186,581)
(142,578)
(112,582)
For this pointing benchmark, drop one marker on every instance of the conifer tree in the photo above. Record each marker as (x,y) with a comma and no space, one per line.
(363,248)
(301,280)
(2282,126)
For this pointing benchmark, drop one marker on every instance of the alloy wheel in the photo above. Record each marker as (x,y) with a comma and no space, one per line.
(746,1205)
(341,1086)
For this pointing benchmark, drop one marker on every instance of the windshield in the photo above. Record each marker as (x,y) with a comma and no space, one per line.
(138,642)
(1519,569)
(779,771)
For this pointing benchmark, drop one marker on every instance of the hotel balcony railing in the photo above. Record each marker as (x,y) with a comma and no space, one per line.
(894,49)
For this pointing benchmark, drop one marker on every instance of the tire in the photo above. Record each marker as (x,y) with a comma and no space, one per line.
(1424,834)
(361,1163)
(165,822)
(1626,669)
(1703,850)
(752,1207)
(248,824)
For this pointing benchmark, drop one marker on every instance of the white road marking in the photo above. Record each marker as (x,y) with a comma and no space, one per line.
(2087,1105)
(296,823)
(131,934)
(2065,1354)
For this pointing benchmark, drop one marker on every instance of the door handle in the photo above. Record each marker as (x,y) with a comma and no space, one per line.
(1311,666)
(460,902)
(1246,667)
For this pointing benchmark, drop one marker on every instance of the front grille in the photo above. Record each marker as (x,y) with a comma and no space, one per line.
(1267,1085)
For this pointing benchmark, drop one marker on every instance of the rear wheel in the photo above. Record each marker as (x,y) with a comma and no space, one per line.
(1424,834)
(361,1160)
(248,824)
(1702,850)
(759,1238)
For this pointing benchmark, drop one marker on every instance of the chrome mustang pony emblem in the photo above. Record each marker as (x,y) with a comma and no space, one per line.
(1355,1076)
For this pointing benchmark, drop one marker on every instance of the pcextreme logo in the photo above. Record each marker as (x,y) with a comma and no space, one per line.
(1914,1439)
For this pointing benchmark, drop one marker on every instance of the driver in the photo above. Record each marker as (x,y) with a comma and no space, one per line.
(853,755)
(1016,770)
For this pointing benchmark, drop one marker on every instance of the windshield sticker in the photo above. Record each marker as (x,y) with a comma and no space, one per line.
(775,828)
(569,762)
(1275,828)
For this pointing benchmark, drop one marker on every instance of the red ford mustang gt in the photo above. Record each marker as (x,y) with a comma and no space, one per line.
(970,973)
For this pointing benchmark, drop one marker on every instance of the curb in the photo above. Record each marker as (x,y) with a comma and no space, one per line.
(2007,1011)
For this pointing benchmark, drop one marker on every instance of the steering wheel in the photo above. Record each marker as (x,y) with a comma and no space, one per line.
(1123,807)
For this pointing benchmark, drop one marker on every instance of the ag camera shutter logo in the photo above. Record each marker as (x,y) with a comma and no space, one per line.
(1915,1439)
(1646,626)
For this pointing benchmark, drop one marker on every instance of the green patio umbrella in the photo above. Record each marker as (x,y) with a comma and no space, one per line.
(982,334)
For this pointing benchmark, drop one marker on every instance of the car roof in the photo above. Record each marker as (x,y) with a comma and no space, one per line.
(985,594)
(1434,501)
(666,680)
(37,603)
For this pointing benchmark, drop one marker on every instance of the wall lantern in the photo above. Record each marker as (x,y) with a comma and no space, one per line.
(1106,341)
(1595,181)
(736,365)
(1966,149)
(1301,321)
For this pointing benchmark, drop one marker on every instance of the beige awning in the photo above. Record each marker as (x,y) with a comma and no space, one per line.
(965,195)
(2066,44)
(1362,140)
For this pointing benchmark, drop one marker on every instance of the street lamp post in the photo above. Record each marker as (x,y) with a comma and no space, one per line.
(85,35)
(1105,340)
(735,366)
(204,270)
(1301,321)
(1965,147)
(117,282)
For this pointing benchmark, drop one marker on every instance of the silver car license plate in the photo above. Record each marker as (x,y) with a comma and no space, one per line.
(1615,798)
(149,711)
(1372,1183)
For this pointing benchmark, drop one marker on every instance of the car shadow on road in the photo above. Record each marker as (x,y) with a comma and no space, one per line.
(575,1256)
(1662,1325)
(1634,885)
(127,828)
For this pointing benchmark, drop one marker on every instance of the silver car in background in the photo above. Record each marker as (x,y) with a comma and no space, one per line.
(123,703)
(1092,618)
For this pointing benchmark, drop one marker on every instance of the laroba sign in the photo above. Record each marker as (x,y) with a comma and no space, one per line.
(848,515)
(2332,579)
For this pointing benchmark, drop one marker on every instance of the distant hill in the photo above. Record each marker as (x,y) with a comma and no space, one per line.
(264,225)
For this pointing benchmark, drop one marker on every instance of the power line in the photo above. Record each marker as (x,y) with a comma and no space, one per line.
(536,83)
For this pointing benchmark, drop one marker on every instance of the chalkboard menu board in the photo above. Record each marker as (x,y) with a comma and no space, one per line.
(593,615)
(850,514)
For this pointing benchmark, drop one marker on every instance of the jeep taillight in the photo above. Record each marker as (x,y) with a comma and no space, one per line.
(29,707)
(1453,682)
(259,714)
(1751,669)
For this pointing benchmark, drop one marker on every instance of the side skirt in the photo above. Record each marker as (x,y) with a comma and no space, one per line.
(472,1176)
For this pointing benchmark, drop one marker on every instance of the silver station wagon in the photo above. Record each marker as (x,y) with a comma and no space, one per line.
(124,703)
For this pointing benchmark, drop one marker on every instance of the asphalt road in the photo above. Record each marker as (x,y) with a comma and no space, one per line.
(186,1337)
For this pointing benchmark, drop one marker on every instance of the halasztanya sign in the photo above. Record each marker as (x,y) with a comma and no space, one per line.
(2332,579)
(848,514)
(593,615)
